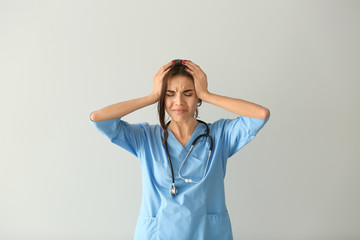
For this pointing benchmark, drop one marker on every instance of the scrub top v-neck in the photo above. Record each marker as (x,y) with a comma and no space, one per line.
(199,210)
(191,139)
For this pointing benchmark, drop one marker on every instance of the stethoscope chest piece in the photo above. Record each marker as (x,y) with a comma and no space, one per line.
(173,190)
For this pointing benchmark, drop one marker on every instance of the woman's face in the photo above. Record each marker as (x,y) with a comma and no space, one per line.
(180,98)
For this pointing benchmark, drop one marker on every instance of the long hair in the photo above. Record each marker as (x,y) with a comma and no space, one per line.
(177,69)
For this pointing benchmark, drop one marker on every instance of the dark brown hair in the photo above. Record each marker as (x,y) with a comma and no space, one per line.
(176,69)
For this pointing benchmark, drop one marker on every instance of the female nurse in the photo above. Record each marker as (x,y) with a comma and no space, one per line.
(183,160)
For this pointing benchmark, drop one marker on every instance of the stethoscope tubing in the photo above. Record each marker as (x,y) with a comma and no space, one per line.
(173,190)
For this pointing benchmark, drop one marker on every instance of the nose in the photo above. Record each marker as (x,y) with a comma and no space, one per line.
(179,99)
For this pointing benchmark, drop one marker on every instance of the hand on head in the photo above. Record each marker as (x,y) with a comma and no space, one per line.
(200,78)
(158,79)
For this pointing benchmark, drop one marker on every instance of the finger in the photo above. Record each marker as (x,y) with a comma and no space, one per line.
(191,63)
(167,70)
(192,66)
(189,70)
(164,68)
(192,70)
(197,70)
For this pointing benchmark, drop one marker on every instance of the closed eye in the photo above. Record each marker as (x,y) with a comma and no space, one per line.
(170,93)
(188,92)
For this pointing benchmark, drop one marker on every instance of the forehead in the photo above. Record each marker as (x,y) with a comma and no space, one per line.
(180,82)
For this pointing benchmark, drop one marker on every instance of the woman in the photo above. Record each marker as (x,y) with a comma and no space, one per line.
(182,175)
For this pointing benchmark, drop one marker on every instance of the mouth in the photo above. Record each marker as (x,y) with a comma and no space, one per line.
(179,111)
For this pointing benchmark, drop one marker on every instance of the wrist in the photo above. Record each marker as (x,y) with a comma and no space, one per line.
(205,96)
(154,98)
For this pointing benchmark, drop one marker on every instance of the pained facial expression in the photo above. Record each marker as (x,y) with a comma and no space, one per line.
(180,98)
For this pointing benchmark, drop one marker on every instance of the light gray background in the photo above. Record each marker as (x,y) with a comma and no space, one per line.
(60,60)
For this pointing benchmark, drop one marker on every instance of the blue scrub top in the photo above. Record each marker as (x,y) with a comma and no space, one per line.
(198,211)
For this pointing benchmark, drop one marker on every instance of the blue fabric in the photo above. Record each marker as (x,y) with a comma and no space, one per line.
(198,211)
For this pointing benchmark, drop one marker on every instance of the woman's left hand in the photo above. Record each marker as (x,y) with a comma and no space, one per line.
(200,78)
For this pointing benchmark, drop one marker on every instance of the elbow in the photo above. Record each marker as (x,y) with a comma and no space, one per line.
(93,116)
(266,113)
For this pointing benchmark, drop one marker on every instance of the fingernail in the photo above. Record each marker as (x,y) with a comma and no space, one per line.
(186,69)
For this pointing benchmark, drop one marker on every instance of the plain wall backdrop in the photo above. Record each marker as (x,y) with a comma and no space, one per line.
(60,60)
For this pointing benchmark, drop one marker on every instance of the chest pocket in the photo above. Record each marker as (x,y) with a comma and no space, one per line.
(195,164)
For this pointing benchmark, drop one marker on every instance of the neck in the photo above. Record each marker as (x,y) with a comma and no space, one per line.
(183,129)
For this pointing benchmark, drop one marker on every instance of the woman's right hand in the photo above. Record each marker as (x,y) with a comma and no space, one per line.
(158,80)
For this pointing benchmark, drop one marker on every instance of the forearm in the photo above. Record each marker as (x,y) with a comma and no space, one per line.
(121,109)
(237,106)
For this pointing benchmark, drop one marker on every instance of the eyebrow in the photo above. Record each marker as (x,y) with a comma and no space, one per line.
(185,91)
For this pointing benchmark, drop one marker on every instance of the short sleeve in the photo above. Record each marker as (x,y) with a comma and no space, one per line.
(126,135)
(236,133)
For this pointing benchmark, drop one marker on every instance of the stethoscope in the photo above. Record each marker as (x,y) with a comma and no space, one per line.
(173,189)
